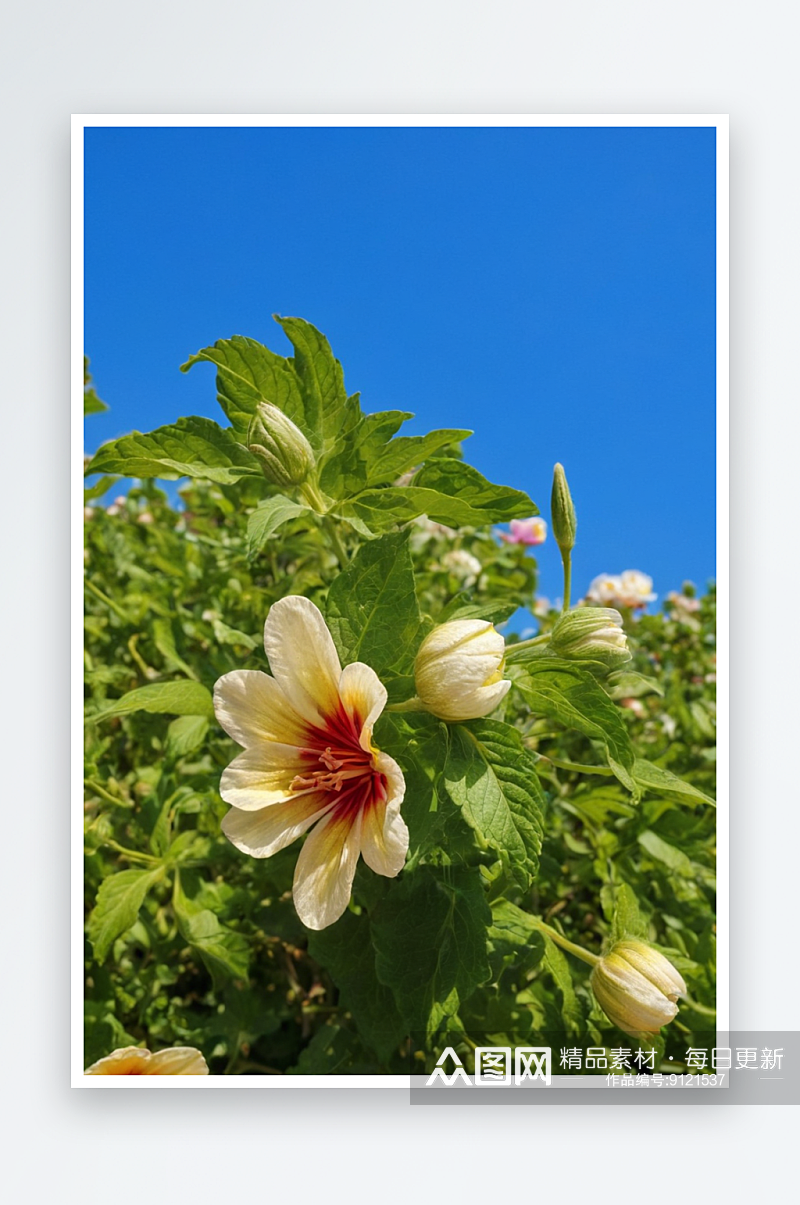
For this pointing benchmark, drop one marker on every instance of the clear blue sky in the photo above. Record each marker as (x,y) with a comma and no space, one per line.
(554,289)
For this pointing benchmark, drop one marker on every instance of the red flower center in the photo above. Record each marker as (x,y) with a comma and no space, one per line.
(338,765)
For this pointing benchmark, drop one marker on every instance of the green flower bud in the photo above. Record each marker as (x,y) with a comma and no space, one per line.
(562,511)
(637,987)
(285,453)
(592,634)
(458,670)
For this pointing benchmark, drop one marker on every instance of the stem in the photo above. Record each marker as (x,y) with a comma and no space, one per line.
(131,854)
(569,946)
(577,766)
(513,649)
(91,785)
(335,539)
(413,704)
(703,1009)
(566,557)
(123,615)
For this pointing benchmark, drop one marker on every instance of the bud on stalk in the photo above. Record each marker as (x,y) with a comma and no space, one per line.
(285,453)
(593,634)
(562,511)
(458,670)
(637,987)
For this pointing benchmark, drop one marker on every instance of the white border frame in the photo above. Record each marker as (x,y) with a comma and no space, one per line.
(549,120)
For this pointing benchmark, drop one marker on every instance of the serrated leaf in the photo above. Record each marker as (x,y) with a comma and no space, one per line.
(372,609)
(497,503)
(118,902)
(656,778)
(249,373)
(191,447)
(571,695)
(430,936)
(626,684)
(346,951)
(493,779)
(515,935)
(627,920)
(225,953)
(346,469)
(556,962)
(170,698)
(462,607)
(408,451)
(674,859)
(267,518)
(92,403)
(325,401)
(383,508)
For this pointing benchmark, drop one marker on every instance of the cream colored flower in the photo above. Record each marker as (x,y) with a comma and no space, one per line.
(636,987)
(132,1060)
(458,671)
(309,760)
(637,589)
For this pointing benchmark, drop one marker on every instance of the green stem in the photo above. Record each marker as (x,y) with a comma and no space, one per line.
(566,557)
(569,946)
(123,615)
(577,766)
(703,1009)
(335,539)
(524,645)
(413,704)
(131,854)
(91,785)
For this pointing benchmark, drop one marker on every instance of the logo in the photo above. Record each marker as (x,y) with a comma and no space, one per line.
(493,1066)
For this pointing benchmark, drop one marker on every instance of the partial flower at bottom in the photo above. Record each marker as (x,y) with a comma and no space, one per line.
(133,1060)
(309,760)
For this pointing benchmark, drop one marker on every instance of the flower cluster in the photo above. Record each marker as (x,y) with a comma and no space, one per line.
(630,589)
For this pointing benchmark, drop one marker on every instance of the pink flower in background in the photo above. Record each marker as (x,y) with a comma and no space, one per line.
(525,531)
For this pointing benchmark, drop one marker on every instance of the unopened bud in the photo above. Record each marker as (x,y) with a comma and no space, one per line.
(591,634)
(562,511)
(636,987)
(285,453)
(458,670)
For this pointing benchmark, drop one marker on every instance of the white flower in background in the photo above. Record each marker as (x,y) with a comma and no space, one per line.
(683,603)
(458,671)
(636,987)
(542,607)
(525,531)
(630,589)
(117,506)
(88,513)
(309,760)
(423,530)
(462,565)
(133,1060)
(145,517)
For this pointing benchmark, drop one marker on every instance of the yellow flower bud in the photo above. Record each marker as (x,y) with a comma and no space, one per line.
(459,670)
(637,987)
(286,455)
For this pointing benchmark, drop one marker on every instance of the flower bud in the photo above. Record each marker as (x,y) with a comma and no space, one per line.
(285,453)
(459,670)
(637,987)
(562,511)
(591,633)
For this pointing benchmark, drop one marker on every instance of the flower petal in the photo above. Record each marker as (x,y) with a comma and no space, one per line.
(303,658)
(178,1060)
(261,834)
(323,877)
(263,776)
(384,835)
(129,1060)
(251,707)
(364,697)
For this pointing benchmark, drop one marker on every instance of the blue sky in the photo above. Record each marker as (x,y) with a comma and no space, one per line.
(553,289)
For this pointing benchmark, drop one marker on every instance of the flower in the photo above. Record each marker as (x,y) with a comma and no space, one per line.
(629,589)
(525,531)
(462,565)
(309,760)
(117,507)
(637,987)
(285,453)
(458,670)
(593,633)
(133,1060)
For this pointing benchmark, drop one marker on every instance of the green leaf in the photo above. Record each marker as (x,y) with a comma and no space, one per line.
(92,403)
(674,859)
(347,468)
(627,920)
(226,635)
(372,606)
(430,936)
(267,518)
(225,953)
(408,451)
(347,953)
(164,640)
(99,488)
(493,779)
(626,684)
(185,734)
(191,447)
(514,935)
(172,698)
(571,695)
(325,401)
(556,963)
(249,373)
(462,607)
(655,778)
(118,902)
(497,503)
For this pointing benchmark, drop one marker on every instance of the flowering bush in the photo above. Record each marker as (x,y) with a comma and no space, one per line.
(337,816)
